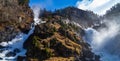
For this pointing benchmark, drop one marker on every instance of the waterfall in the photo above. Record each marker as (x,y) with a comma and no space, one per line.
(16,44)
(105,41)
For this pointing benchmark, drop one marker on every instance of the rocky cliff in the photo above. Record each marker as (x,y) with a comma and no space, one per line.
(57,40)
(15,16)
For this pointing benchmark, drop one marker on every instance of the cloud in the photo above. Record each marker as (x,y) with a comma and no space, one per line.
(97,6)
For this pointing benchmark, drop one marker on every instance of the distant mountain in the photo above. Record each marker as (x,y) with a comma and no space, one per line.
(113,13)
(84,18)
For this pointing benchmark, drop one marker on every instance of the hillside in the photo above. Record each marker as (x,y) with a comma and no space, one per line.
(84,18)
(114,11)
(57,40)
(15,16)
(113,14)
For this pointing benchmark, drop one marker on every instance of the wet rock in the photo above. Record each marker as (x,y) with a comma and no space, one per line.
(1,58)
(16,50)
(97,57)
(87,55)
(10,54)
(1,47)
(1,50)
(20,58)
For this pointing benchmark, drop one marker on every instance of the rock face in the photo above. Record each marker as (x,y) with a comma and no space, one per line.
(57,40)
(15,16)
(84,18)
(113,14)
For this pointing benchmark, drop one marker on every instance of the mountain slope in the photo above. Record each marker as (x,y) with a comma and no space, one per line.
(57,40)
(15,16)
(113,13)
(84,18)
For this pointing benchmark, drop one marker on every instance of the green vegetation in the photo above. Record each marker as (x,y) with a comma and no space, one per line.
(48,52)
(53,42)
(73,26)
(36,41)
(68,26)
(53,29)
(49,17)
(63,25)
(22,2)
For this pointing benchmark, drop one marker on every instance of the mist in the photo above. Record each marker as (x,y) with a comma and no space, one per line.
(105,41)
(105,34)
(36,11)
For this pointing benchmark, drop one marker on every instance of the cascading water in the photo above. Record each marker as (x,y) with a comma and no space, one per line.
(15,44)
(15,47)
(36,11)
(105,41)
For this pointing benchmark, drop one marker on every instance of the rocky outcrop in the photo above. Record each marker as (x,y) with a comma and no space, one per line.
(57,40)
(84,18)
(15,16)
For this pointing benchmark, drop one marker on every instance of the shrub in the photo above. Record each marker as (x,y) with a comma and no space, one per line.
(36,41)
(22,2)
(53,30)
(53,42)
(48,52)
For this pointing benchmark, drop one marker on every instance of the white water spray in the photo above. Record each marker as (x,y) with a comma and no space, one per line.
(36,11)
(105,34)
(104,42)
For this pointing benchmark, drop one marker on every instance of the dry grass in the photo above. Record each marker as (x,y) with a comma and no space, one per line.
(60,59)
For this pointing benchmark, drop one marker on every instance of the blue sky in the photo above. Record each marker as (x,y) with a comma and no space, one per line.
(97,6)
(53,4)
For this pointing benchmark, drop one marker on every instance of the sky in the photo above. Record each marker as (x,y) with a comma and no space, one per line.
(53,4)
(97,6)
